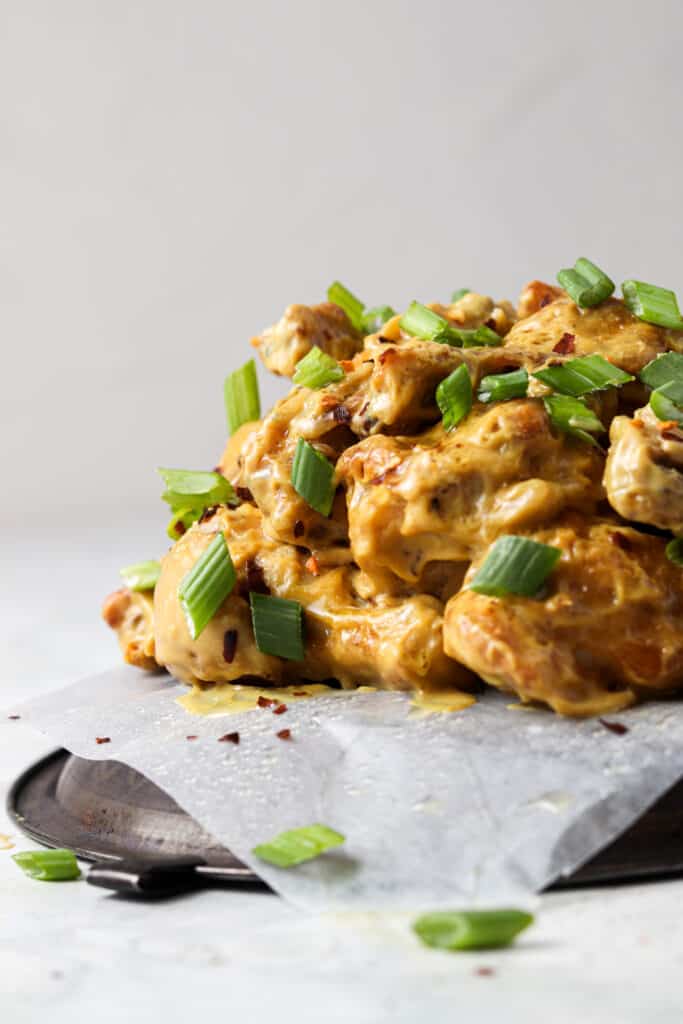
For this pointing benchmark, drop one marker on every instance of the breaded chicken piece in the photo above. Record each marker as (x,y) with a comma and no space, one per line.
(644,470)
(300,329)
(606,630)
(131,615)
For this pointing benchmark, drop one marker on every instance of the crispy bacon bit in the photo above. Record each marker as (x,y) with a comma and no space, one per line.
(102,739)
(299,528)
(244,494)
(265,702)
(230,737)
(565,345)
(485,972)
(208,513)
(280,709)
(229,645)
(619,540)
(340,414)
(312,565)
(14,718)
(616,727)
(191,737)
(300,693)
(284,734)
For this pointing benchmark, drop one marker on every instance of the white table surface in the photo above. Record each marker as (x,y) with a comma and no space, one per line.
(72,953)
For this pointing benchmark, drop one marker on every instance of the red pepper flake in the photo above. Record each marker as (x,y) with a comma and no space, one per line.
(244,494)
(565,345)
(208,513)
(280,709)
(191,737)
(299,528)
(265,702)
(230,737)
(14,718)
(229,645)
(300,693)
(384,341)
(340,414)
(545,301)
(485,972)
(102,739)
(179,528)
(312,565)
(284,734)
(616,727)
(491,324)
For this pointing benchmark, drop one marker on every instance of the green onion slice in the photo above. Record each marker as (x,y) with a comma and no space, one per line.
(347,301)
(459,294)
(298,845)
(500,387)
(515,565)
(317,370)
(374,319)
(313,477)
(422,322)
(181,521)
(572,416)
(278,626)
(204,589)
(48,865)
(667,402)
(242,400)
(652,304)
(583,375)
(471,929)
(454,397)
(187,488)
(674,551)
(143,576)
(663,370)
(586,283)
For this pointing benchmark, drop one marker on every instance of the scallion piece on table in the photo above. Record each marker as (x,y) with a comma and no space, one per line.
(583,375)
(298,845)
(454,397)
(459,294)
(652,304)
(572,416)
(674,551)
(346,300)
(515,565)
(48,865)
(143,576)
(197,489)
(667,402)
(313,477)
(242,400)
(663,370)
(500,387)
(317,370)
(374,319)
(278,626)
(205,587)
(471,929)
(586,284)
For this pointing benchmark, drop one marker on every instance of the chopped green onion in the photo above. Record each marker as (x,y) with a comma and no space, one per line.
(298,845)
(181,521)
(187,488)
(205,587)
(313,477)
(454,397)
(242,400)
(471,929)
(499,387)
(572,416)
(663,370)
(652,304)
(278,626)
(422,322)
(374,319)
(583,375)
(515,565)
(459,294)
(143,576)
(586,283)
(674,551)
(347,301)
(317,370)
(48,865)
(478,336)
(667,402)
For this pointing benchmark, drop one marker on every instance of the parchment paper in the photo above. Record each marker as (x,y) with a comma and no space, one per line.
(485,806)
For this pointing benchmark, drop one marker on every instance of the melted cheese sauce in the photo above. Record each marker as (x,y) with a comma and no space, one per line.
(439,703)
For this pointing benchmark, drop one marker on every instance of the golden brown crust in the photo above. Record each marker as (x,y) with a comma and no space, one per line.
(130,615)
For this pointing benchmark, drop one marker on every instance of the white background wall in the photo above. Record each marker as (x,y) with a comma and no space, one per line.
(172,174)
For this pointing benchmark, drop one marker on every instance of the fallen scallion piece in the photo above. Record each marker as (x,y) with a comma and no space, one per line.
(663,370)
(652,304)
(500,387)
(515,565)
(583,375)
(298,845)
(422,322)
(374,319)
(346,300)
(572,416)
(667,402)
(586,284)
(674,551)
(278,626)
(143,576)
(48,865)
(317,370)
(242,399)
(471,929)
(205,587)
(313,477)
(459,294)
(454,397)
